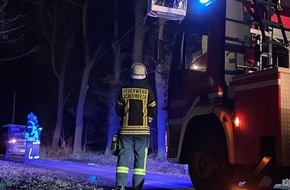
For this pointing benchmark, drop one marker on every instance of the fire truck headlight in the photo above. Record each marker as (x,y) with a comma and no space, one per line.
(12,141)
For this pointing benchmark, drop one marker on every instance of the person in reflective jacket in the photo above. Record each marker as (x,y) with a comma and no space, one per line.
(32,136)
(136,107)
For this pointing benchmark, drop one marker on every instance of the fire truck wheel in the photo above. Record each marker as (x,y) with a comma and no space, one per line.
(208,165)
(208,172)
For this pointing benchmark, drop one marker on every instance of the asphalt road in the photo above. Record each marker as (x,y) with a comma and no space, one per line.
(106,174)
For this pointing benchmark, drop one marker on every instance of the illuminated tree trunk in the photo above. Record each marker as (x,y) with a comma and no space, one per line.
(80,108)
(83,89)
(160,87)
(161,116)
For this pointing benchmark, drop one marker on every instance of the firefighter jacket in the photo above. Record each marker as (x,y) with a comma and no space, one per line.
(31,134)
(136,107)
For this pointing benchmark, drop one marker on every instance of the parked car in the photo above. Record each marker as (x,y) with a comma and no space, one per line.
(15,141)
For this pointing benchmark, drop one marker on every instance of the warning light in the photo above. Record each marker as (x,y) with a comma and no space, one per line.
(220,91)
(203,1)
(237,121)
(206,2)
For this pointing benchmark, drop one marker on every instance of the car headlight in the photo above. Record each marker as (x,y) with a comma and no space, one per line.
(12,141)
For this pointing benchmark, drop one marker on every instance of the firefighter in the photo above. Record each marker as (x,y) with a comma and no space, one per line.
(32,136)
(136,107)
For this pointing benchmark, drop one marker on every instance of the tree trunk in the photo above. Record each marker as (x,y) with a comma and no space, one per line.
(161,116)
(80,109)
(61,89)
(140,30)
(160,86)
(114,124)
(90,58)
(60,53)
(59,118)
(113,118)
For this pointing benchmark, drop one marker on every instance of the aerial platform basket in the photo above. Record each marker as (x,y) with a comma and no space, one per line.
(169,9)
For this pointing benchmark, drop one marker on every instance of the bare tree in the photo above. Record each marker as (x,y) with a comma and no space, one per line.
(60,37)
(91,54)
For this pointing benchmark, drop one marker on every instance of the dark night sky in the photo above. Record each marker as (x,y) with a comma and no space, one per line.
(26,76)
(31,77)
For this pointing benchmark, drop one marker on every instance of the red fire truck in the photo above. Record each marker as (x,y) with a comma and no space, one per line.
(229,94)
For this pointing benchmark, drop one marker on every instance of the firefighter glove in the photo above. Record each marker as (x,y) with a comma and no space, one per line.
(115,145)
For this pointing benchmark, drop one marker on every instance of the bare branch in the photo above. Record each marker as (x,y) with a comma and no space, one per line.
(76,3)
(34,49)
(11,30)
(33,2)
(5,40)
(3,5)
(9,21)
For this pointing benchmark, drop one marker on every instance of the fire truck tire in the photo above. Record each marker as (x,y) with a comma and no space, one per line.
(209,168)
(207,173)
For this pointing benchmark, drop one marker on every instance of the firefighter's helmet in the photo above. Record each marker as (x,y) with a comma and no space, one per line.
(138,71)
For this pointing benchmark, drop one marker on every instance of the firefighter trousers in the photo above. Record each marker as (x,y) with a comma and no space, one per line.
(31,151)
(138,146)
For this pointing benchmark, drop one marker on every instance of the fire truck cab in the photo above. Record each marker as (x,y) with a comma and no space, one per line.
(229,94)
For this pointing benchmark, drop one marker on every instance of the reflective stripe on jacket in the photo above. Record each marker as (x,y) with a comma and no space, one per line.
(137,107)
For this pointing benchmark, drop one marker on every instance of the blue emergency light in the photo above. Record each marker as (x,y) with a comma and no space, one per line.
(206,2)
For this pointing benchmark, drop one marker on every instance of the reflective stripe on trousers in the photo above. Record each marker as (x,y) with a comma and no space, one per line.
(122,170)
(29,154)
(128,145)
(31,151)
